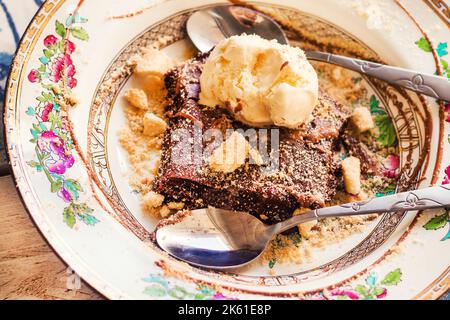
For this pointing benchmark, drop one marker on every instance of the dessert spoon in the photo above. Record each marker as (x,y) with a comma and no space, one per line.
(206,28)
(222,239)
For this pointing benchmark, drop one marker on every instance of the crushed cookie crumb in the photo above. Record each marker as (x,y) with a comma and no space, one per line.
(351,169)
(137,98)
(154,126)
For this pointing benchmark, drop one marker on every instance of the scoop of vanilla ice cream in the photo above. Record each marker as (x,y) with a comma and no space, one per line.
(262,82)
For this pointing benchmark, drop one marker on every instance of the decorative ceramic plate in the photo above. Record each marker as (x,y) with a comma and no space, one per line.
(71,170)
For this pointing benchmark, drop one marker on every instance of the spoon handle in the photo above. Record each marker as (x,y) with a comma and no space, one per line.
(427,84)
(427,198)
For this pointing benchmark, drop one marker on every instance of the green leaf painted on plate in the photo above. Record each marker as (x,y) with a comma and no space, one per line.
(44,60)
(80,33)
(361,289)
(69,21)
(423,44)
(82,211)
(389,190)
(372,279)
(447,236)
(199,296)
(48,53)
(33,163)
(37,128)
(437,222)
(60,29)
(36,165)
(374,105)
(35,134)
(30,111)
(442,49)
(88,219)
(392,278)
(56,186)
(69,216)
(155,291)
(42,68)
(272,263)
(61,46)
(80,19)
(179,293)
(73,184)
(72,189)
(387,136)
(55,119)
(378,290)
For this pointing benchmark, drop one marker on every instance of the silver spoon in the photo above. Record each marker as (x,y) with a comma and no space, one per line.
(221,239)
(207,28)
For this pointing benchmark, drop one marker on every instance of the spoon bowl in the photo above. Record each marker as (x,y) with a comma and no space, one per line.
(223,239)
(206,28)
(215,238)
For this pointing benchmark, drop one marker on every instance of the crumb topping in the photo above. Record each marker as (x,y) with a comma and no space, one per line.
(311,174)
(137,98)
(362,119)
(351,169)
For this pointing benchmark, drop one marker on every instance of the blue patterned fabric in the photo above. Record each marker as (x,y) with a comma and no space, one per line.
(14,17)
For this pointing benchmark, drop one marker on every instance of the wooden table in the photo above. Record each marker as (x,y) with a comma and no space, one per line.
(29,268)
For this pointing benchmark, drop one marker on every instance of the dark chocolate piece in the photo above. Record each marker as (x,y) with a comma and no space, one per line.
(358,149)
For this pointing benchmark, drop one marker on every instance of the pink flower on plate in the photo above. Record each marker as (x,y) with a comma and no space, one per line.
(447,176)
(72,83)
(344,292)
(63,67)
(383,294)
(390,166)
(220,296)
(34,76)
(50,40)
(65,195)
(70,47)
(47,109)
(58,159)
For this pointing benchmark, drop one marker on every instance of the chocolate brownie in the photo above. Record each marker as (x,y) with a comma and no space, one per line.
(307,175)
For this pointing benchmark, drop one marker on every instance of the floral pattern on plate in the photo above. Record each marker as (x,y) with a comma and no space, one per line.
(372,289)
(53,144)
(441,220)
(160,287)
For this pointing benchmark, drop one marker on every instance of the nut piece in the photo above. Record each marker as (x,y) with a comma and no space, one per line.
(164,212)
(305,228)
(232,154)
(153,125)
(362,119)
(137,98)
(351,169)
(175,206)
(153,62)
(152,200)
